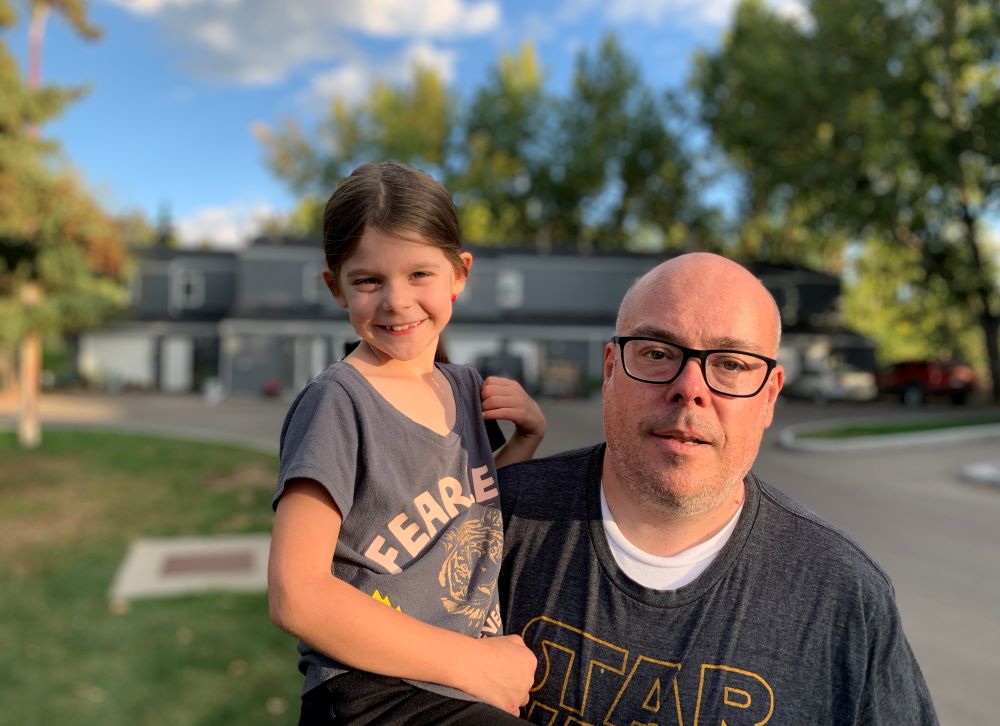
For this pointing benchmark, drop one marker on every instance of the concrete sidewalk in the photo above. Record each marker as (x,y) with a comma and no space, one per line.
(252,421)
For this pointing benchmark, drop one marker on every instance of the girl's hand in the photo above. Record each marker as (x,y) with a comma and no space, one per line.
(506,400)
(501,672)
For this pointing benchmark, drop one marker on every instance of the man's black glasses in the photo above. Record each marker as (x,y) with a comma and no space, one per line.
(728,372)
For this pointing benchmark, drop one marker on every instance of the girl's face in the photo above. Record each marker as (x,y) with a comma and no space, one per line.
(398,292)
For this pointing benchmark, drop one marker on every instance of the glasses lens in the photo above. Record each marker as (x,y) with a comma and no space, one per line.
(656,361)
(652,360)
(737,373)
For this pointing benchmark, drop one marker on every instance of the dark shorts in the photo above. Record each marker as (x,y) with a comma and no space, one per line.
(365,698)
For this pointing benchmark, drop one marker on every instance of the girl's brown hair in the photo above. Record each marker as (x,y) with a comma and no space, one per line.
(393,199)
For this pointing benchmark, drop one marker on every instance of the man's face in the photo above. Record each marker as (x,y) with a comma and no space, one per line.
(679,447)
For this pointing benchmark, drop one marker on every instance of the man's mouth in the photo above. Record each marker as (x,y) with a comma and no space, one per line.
(692,438)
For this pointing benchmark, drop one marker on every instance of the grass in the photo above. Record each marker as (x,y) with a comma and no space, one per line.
(900,427)
(67,514)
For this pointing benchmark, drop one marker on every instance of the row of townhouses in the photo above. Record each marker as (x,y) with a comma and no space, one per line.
(261,319)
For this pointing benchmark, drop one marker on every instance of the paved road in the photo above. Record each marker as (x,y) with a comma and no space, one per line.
(936,536)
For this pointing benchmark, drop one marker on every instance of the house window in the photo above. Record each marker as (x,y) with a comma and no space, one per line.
(510,289)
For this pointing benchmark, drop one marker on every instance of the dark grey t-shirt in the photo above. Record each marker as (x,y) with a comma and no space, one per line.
(421,525)
(792,624)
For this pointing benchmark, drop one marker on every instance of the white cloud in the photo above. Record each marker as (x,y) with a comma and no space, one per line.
(262,42)
(572,11)
(224,227)
(349,82)
(352,79)
(401,18)
(712,12)
(424,54)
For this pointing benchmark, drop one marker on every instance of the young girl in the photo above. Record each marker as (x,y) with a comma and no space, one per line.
(386,471)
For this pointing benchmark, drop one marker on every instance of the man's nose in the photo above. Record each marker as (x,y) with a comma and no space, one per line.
(690,383)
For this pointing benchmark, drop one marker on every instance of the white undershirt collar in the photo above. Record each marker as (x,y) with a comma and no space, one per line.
(663,573)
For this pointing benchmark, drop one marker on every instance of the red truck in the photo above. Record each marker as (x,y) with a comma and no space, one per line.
(916,381)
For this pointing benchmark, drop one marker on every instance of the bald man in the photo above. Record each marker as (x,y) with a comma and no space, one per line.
(657,580)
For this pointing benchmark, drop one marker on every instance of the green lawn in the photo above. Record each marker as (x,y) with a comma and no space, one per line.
(67,514)
(900,427)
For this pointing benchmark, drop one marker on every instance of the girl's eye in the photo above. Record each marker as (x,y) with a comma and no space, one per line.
(364,282)
(421,274)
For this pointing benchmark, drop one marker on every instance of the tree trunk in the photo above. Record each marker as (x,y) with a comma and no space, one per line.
(29,431)
(36,36)
(986,288)
(991,329)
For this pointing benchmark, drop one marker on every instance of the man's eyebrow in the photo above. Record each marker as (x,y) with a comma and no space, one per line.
(725,342)
(737,344)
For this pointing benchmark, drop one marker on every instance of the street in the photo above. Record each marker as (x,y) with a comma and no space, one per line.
(937,536)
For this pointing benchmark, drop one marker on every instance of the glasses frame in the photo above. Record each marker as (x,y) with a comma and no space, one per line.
(688,354)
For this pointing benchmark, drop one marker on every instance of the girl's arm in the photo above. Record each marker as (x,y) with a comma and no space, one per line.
(306,600)
(506,400)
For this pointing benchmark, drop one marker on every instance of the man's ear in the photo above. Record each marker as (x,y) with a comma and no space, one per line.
(334,287)
(609,360)
(771,390)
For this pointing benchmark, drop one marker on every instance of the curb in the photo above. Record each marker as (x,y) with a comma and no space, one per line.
(792,437)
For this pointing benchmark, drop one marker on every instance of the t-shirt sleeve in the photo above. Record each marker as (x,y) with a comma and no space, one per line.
(895,691)
(319,440)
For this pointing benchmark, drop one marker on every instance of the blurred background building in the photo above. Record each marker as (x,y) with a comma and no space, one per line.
(261,319)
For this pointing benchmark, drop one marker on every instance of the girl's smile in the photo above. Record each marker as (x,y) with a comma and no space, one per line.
(398,291)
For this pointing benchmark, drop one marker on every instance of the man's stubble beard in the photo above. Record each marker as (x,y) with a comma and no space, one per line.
(673,493)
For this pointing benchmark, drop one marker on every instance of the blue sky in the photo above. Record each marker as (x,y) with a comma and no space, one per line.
(176,86)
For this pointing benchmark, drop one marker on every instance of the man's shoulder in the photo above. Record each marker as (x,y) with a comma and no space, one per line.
(800,532)
(549,477)
(570,463)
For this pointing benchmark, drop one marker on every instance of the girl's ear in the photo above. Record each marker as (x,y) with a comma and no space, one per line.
(462,275)
(331,283)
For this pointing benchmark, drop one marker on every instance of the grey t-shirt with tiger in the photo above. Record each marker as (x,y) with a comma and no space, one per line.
(421,527)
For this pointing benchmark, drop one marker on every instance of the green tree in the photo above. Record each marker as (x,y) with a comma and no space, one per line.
(597,169)
(919,311)
(411,123)
(615,171)
(501,155)
(874,121)
(62,261)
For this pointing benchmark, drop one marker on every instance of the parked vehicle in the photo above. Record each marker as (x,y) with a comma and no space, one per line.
(838,381)
(916,381)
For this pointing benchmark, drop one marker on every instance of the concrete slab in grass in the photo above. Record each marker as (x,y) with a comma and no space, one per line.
(983,472)
(170,566)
